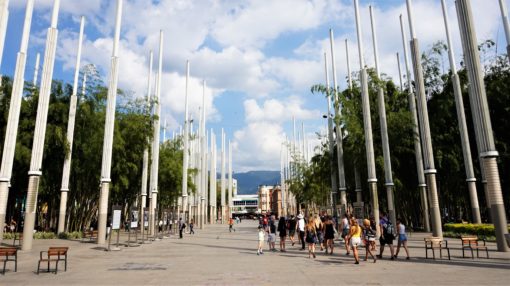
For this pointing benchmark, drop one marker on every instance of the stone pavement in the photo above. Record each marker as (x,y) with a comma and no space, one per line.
(213,256)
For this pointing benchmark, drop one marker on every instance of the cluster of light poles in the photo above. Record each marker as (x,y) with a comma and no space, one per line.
(422,142)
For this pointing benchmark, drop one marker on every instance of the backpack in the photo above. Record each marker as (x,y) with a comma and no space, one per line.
(389,229)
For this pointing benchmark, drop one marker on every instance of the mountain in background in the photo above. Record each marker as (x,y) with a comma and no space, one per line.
(248,183)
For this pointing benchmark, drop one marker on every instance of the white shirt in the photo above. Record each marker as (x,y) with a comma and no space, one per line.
(345,223)
(401,229)
(301,224)
(261,235)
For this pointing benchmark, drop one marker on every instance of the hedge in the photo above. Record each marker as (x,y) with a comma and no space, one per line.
(469,228)
(48,235)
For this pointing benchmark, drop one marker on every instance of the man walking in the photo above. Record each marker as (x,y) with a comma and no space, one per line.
(301,229)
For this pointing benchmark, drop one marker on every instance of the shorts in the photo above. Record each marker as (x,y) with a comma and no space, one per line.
(355,241)
(388,239)
(402,237)
(345,232)
(271,237)
(291,233)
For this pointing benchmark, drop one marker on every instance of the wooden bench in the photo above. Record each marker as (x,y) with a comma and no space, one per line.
(90,234)
(18,237)
(54,254)
(471,242)
(9,254)
(434,243)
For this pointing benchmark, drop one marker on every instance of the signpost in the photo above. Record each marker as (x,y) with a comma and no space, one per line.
(116,218)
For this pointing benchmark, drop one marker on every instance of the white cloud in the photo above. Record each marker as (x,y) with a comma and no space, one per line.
(274,110)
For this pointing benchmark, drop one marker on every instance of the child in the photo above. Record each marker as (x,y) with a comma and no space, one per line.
(261,240)
(402,238)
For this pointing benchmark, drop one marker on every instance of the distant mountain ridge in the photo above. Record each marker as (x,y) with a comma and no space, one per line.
(248,182)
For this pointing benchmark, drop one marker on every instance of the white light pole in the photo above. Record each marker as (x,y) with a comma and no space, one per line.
(461,117)
(367,122)
(416,130)
(70,136)
(185,151)
(11,131)
(482,121)
(108,130)
(384,128)
(334,182)
(212,180)
(423,117)
(34,174)
(204,161)
(230,180)
(339,138)
(145,166)
(222,179)
(400,73)
(504,16)
(153,186)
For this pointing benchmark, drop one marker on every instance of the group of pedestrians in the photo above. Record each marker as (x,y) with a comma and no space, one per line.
(319,231)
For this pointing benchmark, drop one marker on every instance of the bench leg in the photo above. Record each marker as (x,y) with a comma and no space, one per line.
(38,266)
(16,265)
(463,252)
(448,254)
(472,255)
(65,268)
(5,262)
(433,253)
(487,251)
(56,267)
(441,252)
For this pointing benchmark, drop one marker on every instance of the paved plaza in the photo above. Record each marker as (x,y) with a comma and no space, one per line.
(213,256)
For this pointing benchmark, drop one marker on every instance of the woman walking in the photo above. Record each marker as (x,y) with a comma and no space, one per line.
(311,237)
(282,229)
(319,227)
(329,234)
(355,238)
(402,238)
(369,237)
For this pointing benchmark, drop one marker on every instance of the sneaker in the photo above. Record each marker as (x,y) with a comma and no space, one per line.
(314,255)
(293,244)
(393,258)
(357,262)
(379,256)
(258,253)
(261,252)
(408,258)
(347,253)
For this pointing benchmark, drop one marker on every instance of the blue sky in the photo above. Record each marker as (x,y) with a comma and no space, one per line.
(259,58)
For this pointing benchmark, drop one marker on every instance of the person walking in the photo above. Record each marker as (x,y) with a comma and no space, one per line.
(355,238)
(319,227)
(311,237)
(182,227)
(369,237)
(402,238)
(231,225)
(191,225)
(345,232)
(261,236)
(282,230)
(271,235)
(329,234)
(300,226)
(292,228)
(387,234)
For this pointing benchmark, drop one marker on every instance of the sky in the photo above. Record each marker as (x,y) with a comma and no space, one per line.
(259,58)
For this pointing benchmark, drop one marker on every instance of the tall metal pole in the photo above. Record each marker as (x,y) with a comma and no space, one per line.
(504,16)
(482,121)
(70,136)
(339,138)
(430,170)
(357,177)
(185,156)
(204,160)
(422,186)
(230,180)
(388,176)
(40,130)
(461,117)
(334,181)
(145,166)
(108,130)
(153,186)
(367,122)
(400,73)
(12,121)
(223,182)
(36,68)
(212,180)
(4,18)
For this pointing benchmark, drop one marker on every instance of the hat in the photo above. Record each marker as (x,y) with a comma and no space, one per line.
(300,216)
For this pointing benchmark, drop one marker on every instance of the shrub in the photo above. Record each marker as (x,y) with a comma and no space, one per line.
(9,235)
(44,235)
(469,228)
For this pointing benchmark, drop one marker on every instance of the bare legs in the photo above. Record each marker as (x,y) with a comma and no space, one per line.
(282,243)
(404,244)
(311,250)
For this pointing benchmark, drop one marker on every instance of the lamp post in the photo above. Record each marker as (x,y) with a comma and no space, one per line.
(334,182)
(70,136)
(423,117)
(40,129)
(482,121)
(11,131)
(461,117)
(108,133)
(36,68)
(4,18)
(145,163)
(153,185)
(339,139)
(384,128)
(416,131)
(185,151)
(504,16)
(222,178)
(367,122)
